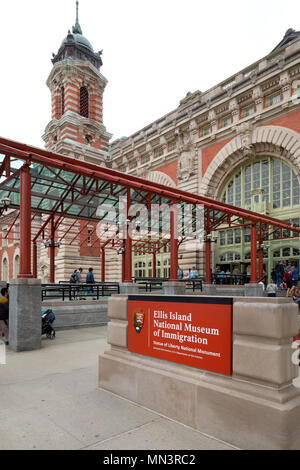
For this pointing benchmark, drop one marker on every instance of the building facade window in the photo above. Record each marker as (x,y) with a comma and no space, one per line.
(5,270)
(267,180)
(158,152)
(266,185)
(247,110)
(145,159)
(172,145)
(225,121)
(272,99)
(16,265)
(205,130)
(89,240)
(132,164)
(84,102)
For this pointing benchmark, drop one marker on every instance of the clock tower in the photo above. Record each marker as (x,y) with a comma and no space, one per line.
(77,85)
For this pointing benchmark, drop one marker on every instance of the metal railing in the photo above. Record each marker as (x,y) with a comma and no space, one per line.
(230,279)
(151,283)
(64,290)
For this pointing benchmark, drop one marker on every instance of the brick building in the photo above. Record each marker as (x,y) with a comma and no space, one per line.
(238,142)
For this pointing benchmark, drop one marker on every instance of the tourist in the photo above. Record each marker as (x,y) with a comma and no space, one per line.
(76,279)
(90,280)
(287,279)
(222,276)
(216,275)
(4,314)
(295,275)
(273,275)
(296,296)
(227,276)
(287,267)
(179,273)
(271,289)
(193,273)
(279,269)
(235,275)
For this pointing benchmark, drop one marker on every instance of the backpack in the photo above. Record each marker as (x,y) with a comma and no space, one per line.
(73,278)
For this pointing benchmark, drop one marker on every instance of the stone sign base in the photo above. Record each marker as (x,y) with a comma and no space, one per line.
(25,322)
(258,407)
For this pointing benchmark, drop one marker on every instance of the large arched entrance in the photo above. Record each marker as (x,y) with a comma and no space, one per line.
(267,185)
(258,170)
(143,263)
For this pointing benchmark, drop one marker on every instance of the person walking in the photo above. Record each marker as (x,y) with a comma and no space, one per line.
(4,314)
(295,275)
(279,269)
(287,279)
(76,279)
(90,280)
(193,273)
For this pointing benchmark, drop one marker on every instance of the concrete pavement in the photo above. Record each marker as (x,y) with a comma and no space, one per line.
(50,400)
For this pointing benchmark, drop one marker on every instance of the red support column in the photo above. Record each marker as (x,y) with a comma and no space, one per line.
(52,251)
(7,166)
(253,254)
(102,265)
(260,262)
(123,264)
(25,223)
(128,246)
(154,265)
(208,262)
(34,260)
(173,245)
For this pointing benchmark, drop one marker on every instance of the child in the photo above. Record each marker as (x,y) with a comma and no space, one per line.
(271,289)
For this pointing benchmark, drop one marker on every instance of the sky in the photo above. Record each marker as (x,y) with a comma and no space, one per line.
(154,52)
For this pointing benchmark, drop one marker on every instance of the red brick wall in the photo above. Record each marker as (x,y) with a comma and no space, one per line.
(209,153)
(290,120)
(85,249)
(171,170)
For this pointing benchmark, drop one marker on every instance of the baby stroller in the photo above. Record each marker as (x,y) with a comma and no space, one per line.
(48,319)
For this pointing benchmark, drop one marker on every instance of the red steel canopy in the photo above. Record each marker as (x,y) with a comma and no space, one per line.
(50,193)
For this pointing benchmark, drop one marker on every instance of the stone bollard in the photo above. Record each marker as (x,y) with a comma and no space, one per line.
(25,322)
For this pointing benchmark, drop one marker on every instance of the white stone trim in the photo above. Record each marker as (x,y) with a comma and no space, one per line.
(5,256)
(161,178)
(16,253)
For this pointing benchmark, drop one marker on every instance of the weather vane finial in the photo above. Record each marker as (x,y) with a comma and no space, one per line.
(77,29)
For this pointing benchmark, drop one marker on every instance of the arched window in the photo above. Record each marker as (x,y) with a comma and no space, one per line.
(267,180)
(5,270)
(84,102)
(16,265)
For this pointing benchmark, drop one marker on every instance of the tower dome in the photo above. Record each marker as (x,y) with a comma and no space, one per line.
(77,47)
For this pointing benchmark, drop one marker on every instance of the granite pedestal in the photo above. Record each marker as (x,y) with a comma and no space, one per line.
(25,314)
(173,288)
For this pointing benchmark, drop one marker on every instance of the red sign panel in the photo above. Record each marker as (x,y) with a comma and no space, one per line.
(193,331)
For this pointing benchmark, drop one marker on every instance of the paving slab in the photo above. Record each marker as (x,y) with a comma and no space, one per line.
(162,434)
(50,400)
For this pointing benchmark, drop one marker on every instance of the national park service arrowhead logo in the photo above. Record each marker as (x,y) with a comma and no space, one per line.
(138,320)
